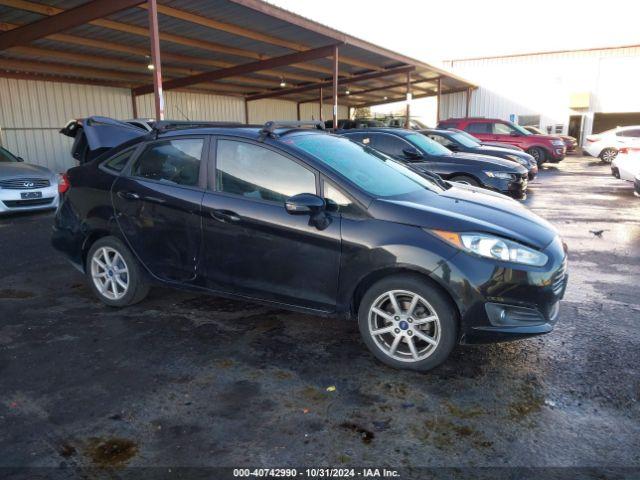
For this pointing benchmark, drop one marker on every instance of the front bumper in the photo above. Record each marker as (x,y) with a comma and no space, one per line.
(615,172)
(11,200)
(558,153)
(501,301)
(636,187)
(514,188)
(533,172)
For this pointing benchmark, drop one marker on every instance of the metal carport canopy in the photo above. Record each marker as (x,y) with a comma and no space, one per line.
(245,48)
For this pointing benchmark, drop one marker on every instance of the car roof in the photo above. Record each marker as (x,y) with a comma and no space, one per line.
(442,131)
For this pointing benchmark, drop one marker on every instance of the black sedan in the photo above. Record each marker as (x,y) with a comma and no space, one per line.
(423,154)
(303,220)
(459,142)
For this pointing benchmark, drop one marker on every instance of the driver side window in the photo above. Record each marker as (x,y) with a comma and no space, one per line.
(173,161)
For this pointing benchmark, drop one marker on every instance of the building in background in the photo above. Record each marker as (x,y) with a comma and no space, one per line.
(575,93)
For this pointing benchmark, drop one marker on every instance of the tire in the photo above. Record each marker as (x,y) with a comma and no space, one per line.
(119,284)
(465,180)
(539,154)
(438,317)
(608,155)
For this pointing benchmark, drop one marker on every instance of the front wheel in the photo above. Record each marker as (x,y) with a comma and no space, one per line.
(407,323)
(113,273)
(608,155)
(539,154)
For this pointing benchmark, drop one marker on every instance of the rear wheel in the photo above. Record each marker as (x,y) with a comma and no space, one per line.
(608,155)
(465,180)
(539,154)
(113,273)
(407,323)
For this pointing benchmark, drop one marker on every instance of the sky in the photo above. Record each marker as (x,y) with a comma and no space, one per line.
(435,31)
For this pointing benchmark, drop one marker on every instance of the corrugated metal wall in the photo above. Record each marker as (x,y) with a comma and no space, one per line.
(542,85)
(194,106)
(32,112)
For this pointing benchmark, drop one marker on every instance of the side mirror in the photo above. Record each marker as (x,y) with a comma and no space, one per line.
(20,159)
(412,153)
(304,204)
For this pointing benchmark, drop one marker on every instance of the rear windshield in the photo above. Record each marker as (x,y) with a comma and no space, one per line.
(370,170)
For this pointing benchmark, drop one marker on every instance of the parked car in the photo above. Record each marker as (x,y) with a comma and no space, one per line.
(541,147)
(457,142)
(570,142)
(424,155)
(308,221)
(486,144)
(346,124)
(626,165)
(605,145)
(24,186)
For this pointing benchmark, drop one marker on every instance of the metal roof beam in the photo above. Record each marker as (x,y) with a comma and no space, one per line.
(164,36)
(63,21)
(251,67)
(341,81)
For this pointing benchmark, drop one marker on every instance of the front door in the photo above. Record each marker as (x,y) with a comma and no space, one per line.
(252,246)
(157,204)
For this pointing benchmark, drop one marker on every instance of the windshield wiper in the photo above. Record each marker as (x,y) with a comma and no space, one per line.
(437,179)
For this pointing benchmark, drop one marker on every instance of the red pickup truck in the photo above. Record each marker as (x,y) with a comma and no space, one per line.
(541,147)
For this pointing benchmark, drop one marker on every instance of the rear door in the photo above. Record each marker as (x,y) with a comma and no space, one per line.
(158,202)
(253,247)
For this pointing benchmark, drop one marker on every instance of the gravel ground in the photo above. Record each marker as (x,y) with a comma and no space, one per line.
(190,380)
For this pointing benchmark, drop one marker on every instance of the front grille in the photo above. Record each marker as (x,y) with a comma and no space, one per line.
(34,202)
(559,279)
(24,183)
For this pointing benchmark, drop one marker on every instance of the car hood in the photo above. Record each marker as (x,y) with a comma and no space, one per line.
(490,150)
(487,161)
(19,169)
(463,208)
(503,145)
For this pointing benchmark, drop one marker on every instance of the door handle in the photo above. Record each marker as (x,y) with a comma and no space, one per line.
(224,216)
(129,195)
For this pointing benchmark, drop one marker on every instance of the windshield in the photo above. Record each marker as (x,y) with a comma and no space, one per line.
(370,170)
(6,156)
(466,140)
(431,147)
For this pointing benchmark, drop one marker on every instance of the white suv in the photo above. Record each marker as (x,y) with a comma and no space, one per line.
(606,144)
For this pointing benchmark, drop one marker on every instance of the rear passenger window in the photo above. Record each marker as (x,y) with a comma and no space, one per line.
(116,164)
(478,128)
(173,161)
(260,173)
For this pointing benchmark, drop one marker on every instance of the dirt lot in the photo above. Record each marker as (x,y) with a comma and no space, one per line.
(189,380)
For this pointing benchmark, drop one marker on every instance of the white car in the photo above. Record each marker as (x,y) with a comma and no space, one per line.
(627,164)
(24,186)
(605,145)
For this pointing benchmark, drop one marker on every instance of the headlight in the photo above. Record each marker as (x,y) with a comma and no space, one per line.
(497,248)
(503,175)
(557,143)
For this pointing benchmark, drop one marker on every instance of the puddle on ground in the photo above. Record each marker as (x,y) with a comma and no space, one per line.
(110,452)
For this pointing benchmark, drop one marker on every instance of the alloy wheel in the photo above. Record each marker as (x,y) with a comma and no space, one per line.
(110,273)
(609,155)
(404,326)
